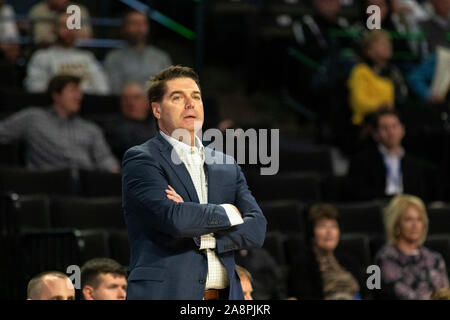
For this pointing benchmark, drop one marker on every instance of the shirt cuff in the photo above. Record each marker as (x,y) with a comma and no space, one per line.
(207,241)
(233,216)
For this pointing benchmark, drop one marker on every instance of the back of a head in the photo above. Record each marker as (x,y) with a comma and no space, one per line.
(50,285)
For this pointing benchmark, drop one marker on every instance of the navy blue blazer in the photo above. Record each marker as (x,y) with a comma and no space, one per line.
(166,263)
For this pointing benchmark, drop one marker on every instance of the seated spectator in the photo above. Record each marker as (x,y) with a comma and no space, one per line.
(8,26)
(268,280)
(317,274)
(57,137)
(385,169)
(103,279)
(134,125)
(421,78)
(10,68)
(43,15)
(246,282)
(396,20)
(138,61)
(312,33)
(409,271)
(64,58)
(50,285)
(374,82)
(437,28)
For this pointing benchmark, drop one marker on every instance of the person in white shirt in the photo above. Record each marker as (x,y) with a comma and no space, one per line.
(64,58)
(44,12)
(187,207)
(8,27)
(385,169)
(137,61)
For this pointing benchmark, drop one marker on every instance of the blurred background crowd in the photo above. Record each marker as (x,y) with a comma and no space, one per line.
(364,137)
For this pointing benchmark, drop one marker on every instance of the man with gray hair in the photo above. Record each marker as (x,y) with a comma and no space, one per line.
(137,61)
(134,125)
(50,285)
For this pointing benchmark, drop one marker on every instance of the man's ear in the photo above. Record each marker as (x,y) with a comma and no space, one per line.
(88,292)
(54,95)
(375,135)
(156,108)
(403,130)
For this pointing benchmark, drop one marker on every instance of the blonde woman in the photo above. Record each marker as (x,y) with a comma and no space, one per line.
(409,271)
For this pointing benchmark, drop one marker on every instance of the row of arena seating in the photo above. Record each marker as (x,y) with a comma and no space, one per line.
(41,212)
(28,253)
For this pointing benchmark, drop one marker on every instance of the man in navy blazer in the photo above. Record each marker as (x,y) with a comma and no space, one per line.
(187,208)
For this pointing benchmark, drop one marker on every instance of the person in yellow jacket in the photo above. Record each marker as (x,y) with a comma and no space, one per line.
(374,83)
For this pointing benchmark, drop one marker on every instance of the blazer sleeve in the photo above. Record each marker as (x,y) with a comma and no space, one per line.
(252,232)
(144,182)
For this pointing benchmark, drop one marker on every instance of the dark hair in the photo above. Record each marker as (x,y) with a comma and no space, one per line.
(132,11)
(59,82)
(94,267)
(322,211)
(158,87)
(381,112)
(319,212)
(36,280)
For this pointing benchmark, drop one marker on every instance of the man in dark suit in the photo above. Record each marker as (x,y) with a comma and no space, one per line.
(187,208)
(385,169)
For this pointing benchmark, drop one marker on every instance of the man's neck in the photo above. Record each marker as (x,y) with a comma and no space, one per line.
(64,45)
(393,151)
(380,64)
(60,111)
(138,46)
(191,138)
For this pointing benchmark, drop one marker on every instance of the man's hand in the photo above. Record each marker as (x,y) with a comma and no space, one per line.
(173,195)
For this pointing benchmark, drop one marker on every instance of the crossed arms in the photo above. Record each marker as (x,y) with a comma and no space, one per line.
(145,185)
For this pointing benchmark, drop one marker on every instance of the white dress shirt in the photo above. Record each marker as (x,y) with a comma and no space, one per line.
(394,176)
(193,158)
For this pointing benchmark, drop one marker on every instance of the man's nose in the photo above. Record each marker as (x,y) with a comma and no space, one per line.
(189,103)
(122,294)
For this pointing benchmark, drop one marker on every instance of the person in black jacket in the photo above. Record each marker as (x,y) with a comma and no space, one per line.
(384,169)
(134,125)
(316,272)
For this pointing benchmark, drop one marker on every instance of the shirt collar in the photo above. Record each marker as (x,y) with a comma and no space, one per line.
(384,151)
(178,145)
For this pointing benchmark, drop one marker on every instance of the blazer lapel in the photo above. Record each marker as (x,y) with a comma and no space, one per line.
(179,169)
(212,177)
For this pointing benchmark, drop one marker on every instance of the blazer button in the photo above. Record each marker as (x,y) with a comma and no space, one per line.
(202,281)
